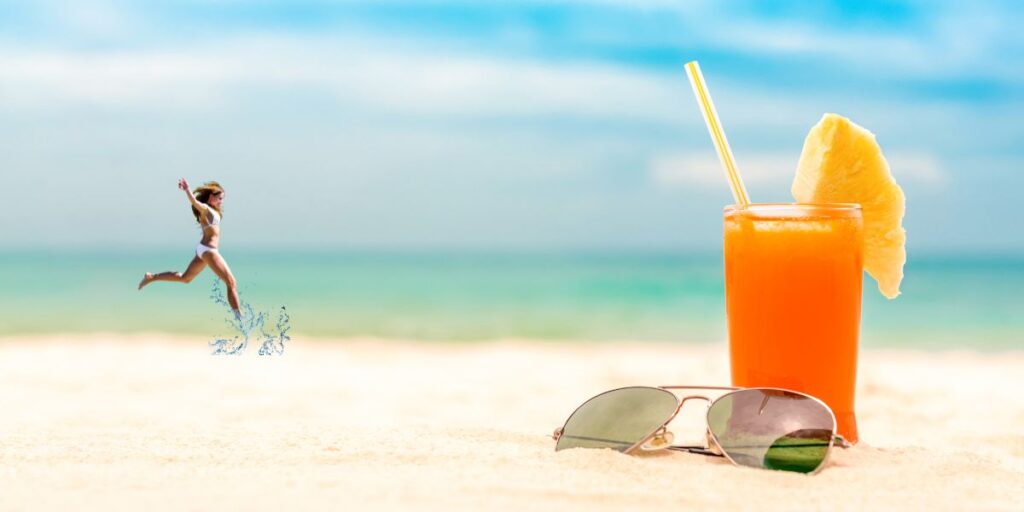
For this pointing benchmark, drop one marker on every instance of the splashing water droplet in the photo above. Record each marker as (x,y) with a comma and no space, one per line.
(245,325)
(274,345)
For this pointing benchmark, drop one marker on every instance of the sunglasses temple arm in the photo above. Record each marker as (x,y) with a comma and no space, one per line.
(709,448)
(700,450)
(841,441)
(712,453)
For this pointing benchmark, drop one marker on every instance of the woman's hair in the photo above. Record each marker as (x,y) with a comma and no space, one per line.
(203,194)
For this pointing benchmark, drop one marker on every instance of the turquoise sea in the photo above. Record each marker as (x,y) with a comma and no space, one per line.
(948,301)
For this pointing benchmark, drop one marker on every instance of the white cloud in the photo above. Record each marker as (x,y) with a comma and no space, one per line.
(939,40)
(95,18)
(919,167)
(953,43)
(705,170)
(384,77)
(33,80)
(507,180)
(354,72)
(777,169)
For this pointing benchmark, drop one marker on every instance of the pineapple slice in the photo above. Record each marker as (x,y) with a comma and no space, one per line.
(842,163)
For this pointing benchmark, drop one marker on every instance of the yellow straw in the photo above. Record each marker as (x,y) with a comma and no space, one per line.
(700,90)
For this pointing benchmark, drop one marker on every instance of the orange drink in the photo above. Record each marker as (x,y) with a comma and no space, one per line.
(793,275)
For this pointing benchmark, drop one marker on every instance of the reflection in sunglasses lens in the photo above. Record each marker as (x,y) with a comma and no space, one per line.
(772,429)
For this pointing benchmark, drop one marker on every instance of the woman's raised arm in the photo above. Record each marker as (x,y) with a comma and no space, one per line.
(183,185)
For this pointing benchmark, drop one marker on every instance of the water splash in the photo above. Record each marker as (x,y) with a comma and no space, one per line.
(249,325)
(274,344)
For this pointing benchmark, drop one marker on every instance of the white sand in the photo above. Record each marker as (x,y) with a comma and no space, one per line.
(154,423)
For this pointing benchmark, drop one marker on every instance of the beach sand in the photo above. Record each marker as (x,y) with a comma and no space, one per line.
(151,422)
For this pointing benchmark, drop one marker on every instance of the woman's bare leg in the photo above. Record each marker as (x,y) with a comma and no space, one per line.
(220,267)
(194,268)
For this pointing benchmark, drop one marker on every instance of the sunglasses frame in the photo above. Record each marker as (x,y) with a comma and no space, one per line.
(714,447)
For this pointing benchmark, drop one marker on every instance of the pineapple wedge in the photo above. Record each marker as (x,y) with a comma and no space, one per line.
(842,163)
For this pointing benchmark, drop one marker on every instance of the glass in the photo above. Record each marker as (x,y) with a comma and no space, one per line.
(793,275)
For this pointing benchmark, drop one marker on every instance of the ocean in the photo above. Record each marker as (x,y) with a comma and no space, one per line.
(948,301)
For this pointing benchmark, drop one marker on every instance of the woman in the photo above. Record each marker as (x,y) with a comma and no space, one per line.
(206,206)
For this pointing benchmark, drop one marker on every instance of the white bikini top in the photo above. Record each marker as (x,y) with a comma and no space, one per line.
(216,218)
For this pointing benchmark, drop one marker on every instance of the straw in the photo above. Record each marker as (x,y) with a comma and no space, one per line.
(700,90)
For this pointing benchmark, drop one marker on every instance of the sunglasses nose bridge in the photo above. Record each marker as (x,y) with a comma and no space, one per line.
(691,397)
(685,399)
(662,438)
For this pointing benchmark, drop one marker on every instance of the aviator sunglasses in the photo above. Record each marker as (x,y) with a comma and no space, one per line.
(765,428)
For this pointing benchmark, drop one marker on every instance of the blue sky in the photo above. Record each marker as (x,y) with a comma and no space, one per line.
(491,125)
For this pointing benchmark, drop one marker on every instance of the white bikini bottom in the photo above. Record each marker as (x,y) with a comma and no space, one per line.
(202,249)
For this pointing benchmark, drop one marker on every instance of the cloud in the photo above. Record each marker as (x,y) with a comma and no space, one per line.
(356,72)
(777,169)
(932,40)
(919,167)
(363,74)
(705,170)
(475,137)
(95,18)
(45,80)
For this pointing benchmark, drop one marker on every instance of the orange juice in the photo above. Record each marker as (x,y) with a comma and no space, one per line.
(793,276)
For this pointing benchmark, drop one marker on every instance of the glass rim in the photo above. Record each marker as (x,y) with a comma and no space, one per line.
(789,210)
(796,206)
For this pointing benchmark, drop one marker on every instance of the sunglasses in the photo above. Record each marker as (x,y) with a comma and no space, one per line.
(764,428)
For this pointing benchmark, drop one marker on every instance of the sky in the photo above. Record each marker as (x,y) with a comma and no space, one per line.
(492,125)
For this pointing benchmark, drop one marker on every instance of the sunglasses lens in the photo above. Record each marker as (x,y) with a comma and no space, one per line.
(618,419)
(772,429)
